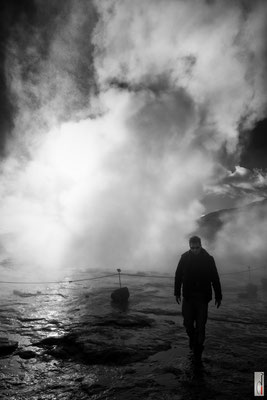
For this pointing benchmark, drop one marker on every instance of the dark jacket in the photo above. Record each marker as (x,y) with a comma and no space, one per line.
(196,273)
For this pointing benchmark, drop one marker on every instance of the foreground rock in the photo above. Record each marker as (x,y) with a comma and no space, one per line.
(7,346)
(111,340)
(120,295)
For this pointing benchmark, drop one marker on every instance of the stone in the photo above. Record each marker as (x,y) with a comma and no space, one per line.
(26,354)
(7,346)
(120,295)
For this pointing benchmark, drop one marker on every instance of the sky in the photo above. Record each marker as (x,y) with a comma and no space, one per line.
(122,122)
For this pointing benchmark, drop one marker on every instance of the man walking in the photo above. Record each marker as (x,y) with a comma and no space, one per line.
(196,272)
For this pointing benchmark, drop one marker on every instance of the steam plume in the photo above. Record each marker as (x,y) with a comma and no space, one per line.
(122,114)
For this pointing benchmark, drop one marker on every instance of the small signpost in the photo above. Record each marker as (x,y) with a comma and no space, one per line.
(119,271)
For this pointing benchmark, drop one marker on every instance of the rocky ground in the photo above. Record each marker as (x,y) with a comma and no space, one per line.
(69,341)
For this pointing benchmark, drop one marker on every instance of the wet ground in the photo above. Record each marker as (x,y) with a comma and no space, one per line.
(74,343)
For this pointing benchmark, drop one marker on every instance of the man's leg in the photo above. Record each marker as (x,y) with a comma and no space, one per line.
(188,311)
(201,319)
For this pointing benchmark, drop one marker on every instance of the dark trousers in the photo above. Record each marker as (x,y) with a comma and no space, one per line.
(195,313)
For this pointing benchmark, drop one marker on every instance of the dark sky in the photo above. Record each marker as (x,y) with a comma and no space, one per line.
(254,154)
(32,24)
(8,15)
(12,13)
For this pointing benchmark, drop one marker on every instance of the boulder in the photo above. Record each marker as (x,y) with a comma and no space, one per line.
(120,295)
(26,354)
(7,346)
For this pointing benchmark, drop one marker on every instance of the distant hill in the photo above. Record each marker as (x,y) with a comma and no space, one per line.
(210,224)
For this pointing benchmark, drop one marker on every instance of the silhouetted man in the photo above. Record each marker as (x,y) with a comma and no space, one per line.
(196,271)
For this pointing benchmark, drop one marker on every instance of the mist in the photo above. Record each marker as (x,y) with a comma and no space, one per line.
(122,112)
(240,242)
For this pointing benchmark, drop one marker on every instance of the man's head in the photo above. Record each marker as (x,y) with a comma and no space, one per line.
(195,245)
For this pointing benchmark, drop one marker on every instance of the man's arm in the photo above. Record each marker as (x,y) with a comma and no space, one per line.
(215,280)
(178,281)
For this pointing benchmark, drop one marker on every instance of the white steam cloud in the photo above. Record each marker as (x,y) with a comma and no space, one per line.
(242,241)
(111,173)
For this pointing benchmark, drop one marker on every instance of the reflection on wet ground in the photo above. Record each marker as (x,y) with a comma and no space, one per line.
(73,343)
